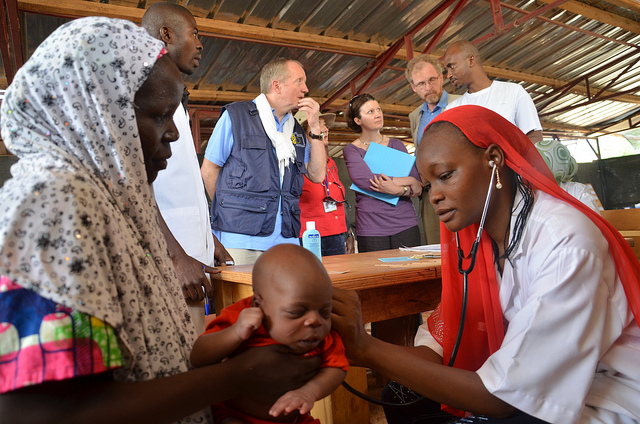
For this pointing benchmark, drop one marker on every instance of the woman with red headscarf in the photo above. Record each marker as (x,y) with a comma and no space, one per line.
(551,330)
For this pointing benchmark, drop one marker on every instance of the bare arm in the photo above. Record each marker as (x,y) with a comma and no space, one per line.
(317,166)
(190,271)
(210,172)
(323,384)
(99,399)
(212,348)
(396,185)
(535,136)
(418,368)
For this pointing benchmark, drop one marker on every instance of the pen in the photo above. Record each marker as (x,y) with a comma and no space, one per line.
(206,298)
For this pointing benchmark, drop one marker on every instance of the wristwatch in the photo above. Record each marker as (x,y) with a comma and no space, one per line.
(316,137)
(405,190)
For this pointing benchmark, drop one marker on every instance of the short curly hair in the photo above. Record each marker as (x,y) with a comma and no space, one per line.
(422,59)
(353,110)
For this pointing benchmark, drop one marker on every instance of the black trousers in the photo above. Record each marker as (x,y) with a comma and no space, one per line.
(407,238)
(427,411)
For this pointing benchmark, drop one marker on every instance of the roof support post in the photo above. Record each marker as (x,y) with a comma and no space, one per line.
(496,14)
(520,21)
(10,31)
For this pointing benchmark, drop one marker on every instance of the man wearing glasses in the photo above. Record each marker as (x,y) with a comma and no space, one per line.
(425,76)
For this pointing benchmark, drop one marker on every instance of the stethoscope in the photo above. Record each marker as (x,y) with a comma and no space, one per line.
(465,272)
(465,276)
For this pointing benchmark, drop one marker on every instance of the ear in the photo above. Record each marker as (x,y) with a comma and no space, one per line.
(472,61)
(256,301)
(413,87)
(166,35)
(496,154)
(275,86)
(357,120)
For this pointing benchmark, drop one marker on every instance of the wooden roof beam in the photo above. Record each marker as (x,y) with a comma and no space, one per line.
(599,15)
(631,5)
(216,28)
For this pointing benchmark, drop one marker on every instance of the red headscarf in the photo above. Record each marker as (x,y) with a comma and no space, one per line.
(484,327)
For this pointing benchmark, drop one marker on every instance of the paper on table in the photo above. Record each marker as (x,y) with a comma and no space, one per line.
(399,259)
(427,248)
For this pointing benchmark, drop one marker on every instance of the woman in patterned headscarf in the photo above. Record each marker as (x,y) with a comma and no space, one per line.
(563,166)
(551,330)
(91,315)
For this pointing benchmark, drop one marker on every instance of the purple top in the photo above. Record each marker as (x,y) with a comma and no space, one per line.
(375,217)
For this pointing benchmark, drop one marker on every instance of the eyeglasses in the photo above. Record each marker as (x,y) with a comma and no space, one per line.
(423,84)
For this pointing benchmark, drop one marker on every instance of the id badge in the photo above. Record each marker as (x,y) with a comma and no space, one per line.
(329,206)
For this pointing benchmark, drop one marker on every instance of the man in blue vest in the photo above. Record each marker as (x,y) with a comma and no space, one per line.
(255,160)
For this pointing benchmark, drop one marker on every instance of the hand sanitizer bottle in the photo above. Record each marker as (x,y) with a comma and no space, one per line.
(311,239)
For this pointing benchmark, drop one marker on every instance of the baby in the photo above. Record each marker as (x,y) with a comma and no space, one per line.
(291,305)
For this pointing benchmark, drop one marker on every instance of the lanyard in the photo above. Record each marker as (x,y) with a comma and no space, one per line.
(336,181)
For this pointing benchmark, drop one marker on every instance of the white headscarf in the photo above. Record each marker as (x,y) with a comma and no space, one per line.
(78,221)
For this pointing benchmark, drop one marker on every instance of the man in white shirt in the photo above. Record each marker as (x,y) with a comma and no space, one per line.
(182,203)
(463,66)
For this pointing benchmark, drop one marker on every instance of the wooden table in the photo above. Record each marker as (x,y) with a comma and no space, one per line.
(386,289)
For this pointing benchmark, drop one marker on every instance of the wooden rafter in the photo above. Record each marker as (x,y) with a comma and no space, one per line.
(599,15)
(230,30)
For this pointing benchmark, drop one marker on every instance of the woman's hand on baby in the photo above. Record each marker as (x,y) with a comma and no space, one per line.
(250,320)
(297,399)
(346,318)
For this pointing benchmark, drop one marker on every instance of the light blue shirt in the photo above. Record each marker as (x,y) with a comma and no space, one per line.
(218,151)
(426,115)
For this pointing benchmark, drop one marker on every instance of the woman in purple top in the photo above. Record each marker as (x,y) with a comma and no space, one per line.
(379,225)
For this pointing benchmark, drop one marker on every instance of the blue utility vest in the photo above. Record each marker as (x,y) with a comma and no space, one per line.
(248,186)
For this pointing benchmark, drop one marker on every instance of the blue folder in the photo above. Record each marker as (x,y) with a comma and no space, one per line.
(387,161)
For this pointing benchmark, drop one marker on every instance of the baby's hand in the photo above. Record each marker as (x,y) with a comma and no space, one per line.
(290,401)
(249,321)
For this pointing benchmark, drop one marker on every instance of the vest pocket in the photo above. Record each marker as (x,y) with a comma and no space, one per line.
(255,155)
(242,214)
(297,179)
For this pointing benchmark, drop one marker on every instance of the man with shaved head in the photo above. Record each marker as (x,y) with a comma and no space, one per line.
(463,66)
(184,215)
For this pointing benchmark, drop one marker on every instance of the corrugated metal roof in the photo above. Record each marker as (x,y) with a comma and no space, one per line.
(599,44)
